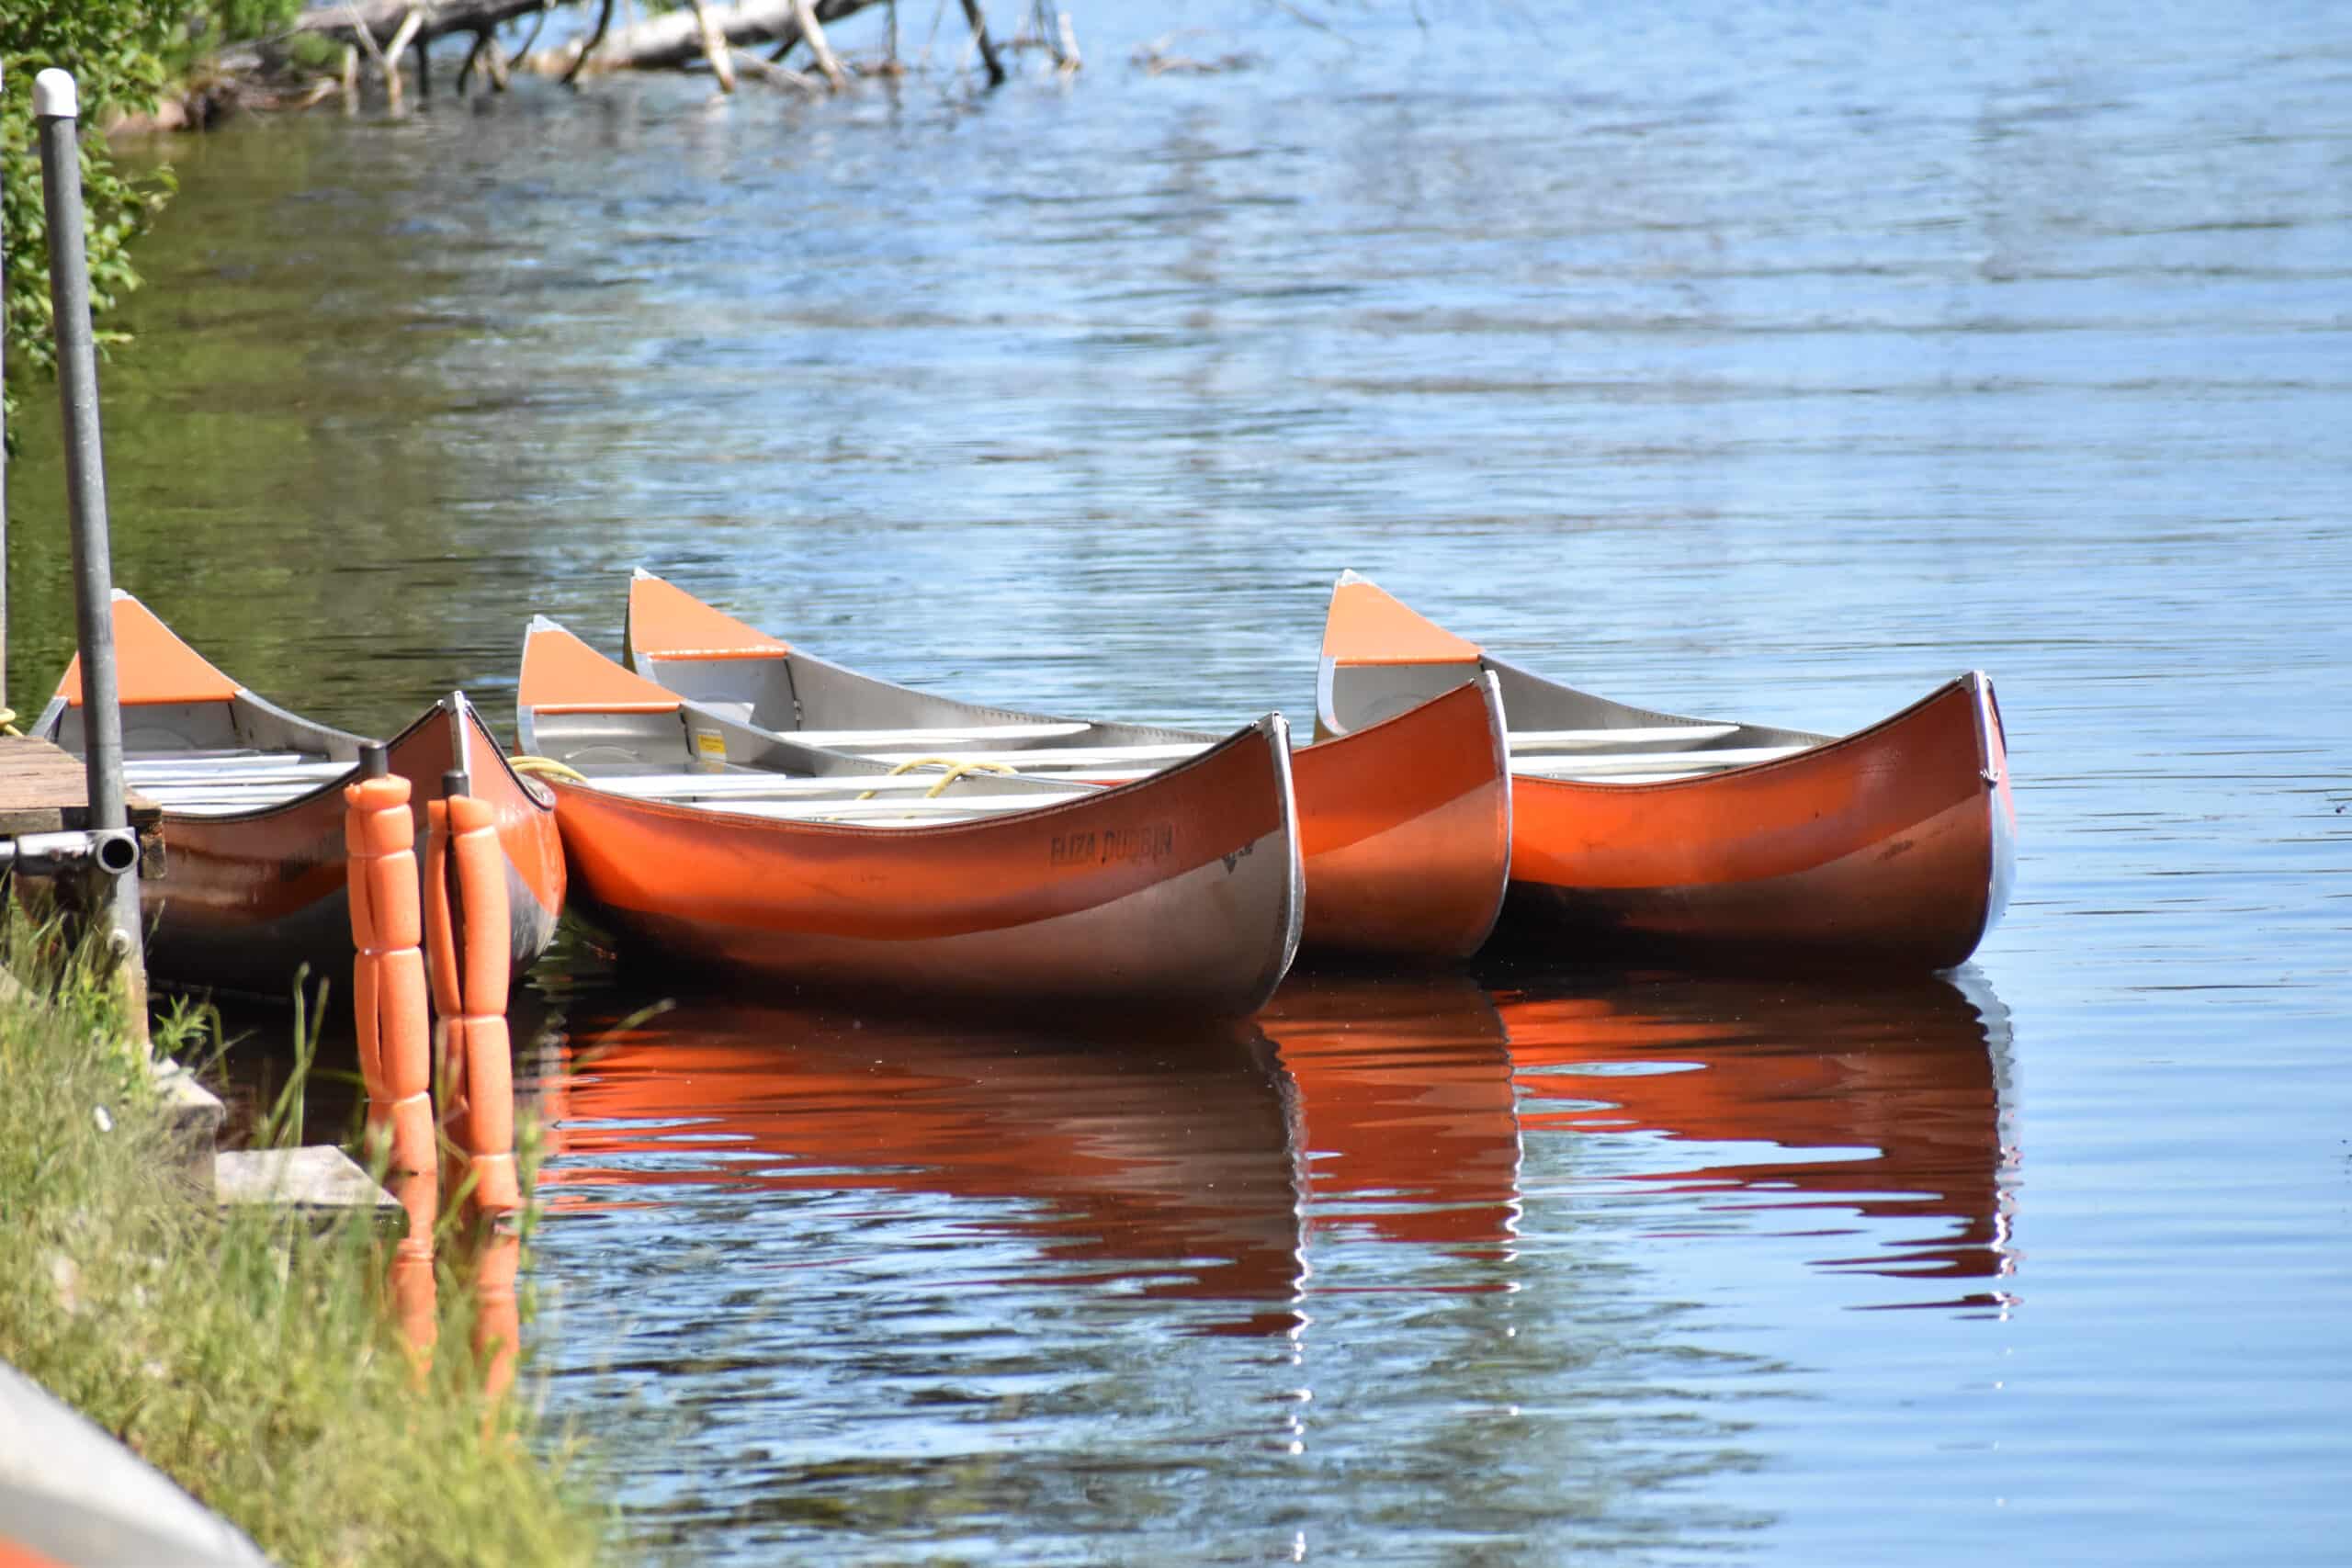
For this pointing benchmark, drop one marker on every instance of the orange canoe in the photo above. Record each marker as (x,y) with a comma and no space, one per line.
(1405,826)
(253,883)
(1640,830)
(712,841)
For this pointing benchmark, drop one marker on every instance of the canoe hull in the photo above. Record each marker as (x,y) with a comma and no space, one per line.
(1178,895)
(244,902)
(1406,829)
(1894,846)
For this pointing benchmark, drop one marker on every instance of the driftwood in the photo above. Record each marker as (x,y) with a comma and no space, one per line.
(587,50)
(781,75)
(675,38)
(487,53)
(379,20)
(700,31)
(714,45)
(980,35)
(804,17)
(391,59)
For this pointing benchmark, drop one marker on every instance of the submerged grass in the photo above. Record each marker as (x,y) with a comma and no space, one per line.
(250,1356)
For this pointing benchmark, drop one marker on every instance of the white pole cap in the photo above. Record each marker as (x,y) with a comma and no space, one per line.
(55,96)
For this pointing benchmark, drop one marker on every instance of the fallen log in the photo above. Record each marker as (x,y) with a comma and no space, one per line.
(672,39)
(714,45)
(703,31)
(804,17)
(345,19)
(675,39)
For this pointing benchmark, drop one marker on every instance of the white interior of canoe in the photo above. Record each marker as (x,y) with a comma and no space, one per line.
(1631,767)
(229,782)
(919,812)
(1634,754)
(757,786)
(898,799)
(233,782)
(864,740)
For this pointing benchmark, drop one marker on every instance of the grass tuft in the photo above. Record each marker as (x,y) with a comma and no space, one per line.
(250,1356)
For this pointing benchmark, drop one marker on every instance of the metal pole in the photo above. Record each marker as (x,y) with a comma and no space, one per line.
(57,113)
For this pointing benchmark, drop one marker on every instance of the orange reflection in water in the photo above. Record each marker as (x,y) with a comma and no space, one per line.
(1391,1110)
(1884,1102)
(1166,1164)
(1405,1116)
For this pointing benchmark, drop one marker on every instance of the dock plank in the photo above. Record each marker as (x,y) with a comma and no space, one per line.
(43,789)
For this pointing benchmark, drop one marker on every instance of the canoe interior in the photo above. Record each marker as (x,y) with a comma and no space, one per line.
(691,754)
(228,758)
(1557,731)
(800,692)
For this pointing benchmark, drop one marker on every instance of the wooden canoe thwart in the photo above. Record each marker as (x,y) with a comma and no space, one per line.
(1648,833)
(254,880)
(1404,825)
(710,840)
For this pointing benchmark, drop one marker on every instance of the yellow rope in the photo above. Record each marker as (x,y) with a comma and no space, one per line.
(8,723)
(548,766)
(956,770)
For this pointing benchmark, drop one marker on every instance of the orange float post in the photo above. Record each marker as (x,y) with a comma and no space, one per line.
(467,915)
(389,998)
(442,964)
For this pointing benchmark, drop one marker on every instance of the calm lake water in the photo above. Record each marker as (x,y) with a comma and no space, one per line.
(1770,361)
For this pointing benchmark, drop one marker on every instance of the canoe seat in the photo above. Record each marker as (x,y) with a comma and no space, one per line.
(229,782)
(928,813)
(1650,735)
(136,757)
(1638,767)
(237,774)
(753,786)
(188,800)
(934,734)
(1042,757)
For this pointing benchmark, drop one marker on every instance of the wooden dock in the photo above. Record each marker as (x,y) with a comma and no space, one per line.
(44,790)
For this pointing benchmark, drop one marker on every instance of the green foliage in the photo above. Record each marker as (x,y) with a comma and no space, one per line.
(235,20)
(123,55)
(314,52)
(114,48)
